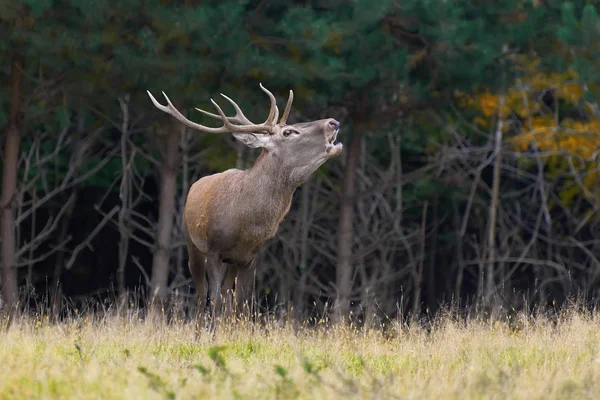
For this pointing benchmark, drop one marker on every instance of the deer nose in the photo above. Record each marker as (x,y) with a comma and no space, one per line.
(334,124)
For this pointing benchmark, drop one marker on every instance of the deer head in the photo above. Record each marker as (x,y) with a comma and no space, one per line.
(229,215)
(301,148)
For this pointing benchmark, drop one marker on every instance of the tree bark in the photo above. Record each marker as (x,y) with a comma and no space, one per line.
(431,270)
(345,230)
(490,285)
(418,274)
(76,161)
(9,185)
(125,197)
(304,212)
(185,187)
(168,187)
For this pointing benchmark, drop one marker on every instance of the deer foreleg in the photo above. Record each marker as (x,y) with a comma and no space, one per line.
(197,268)
(228,289)
(244,283)
(216,275)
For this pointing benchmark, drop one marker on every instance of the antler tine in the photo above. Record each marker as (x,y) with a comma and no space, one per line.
(216,116)
(288,107)
(239,116)
(238,111)
(171,110)
(254,128)
(270,120)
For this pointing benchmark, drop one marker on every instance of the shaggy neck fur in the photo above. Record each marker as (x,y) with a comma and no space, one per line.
(273,176)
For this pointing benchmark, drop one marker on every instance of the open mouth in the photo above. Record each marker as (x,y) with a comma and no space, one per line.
(333,148)
(334,136)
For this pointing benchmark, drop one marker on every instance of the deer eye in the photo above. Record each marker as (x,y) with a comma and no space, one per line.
(288,132)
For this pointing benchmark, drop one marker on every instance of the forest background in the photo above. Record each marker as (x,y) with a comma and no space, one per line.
(469,173)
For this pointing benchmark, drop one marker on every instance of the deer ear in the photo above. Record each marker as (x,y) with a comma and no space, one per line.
(252,140)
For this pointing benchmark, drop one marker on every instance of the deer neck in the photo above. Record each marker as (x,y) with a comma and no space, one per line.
(271,177)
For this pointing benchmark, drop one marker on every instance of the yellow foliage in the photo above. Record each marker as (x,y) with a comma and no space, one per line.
(571,92)
(488,104)
(480,121)
(539,127)
(464,100)
(591,178)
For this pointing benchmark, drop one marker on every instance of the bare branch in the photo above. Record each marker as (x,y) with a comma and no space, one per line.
(90,237)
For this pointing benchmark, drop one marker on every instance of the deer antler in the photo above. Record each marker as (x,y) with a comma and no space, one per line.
(288,107)
(229,123)
(240,118)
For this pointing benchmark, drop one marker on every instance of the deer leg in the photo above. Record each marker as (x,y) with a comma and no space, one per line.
(216,275)
(196,264)
(244,283)
(228,288)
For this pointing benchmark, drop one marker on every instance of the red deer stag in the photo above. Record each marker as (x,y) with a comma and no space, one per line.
(229,215)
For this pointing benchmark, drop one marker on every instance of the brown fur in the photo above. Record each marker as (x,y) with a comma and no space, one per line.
(229,215)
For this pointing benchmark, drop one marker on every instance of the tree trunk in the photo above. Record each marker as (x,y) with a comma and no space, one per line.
(125,197)
(185,187)
(431,270)
(76,161)
(345,229)
(418,274)
(9,185)
(304,212)
(168,187)
(490,285)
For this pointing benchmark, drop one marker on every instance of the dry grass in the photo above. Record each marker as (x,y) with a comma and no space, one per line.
(128,358)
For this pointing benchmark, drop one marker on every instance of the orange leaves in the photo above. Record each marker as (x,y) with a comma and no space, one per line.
(591,177)
(488,104)
(571,92)
(485,102)
(569,138)
(539,134)
(566,134)
(480,121)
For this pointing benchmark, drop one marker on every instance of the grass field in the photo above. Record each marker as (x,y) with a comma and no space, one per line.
(127,358)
